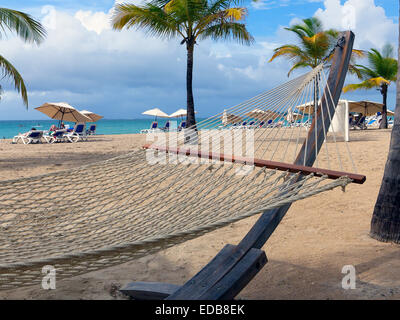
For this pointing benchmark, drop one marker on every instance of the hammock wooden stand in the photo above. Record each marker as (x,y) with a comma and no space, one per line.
(236,265)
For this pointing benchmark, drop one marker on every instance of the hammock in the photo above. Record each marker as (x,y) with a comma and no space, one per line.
(172,190)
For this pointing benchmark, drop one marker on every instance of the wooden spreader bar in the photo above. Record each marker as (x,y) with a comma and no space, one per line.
(293,168)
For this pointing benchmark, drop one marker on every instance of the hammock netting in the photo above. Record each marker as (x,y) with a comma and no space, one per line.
(113,211)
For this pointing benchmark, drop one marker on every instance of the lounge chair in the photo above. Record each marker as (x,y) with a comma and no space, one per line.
(92,130)
(359,124)
(270,123)
(79,133)
(167,126)
(182,126)
(251,125)
(242,125)
(58,136)
(29,138)
(153,127)
(307,124)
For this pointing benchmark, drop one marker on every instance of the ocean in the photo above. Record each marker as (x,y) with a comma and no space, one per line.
(9,129)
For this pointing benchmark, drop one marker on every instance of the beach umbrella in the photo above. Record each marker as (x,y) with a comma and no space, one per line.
(62,111)
(307,108)
(156,113)
(229,118)
(93,116)
(262,115)
(179,113)
(367,108)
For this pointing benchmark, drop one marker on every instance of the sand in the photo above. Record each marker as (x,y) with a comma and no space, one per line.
(306,253)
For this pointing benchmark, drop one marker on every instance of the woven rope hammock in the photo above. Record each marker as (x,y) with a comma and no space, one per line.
(173,190)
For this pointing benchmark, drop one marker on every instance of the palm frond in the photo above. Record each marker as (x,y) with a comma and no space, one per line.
(228,31)
(388,51)
(367,73)
(298,65)
(367,84)
(149,17)
(9,71)
(289,51)
(22,24)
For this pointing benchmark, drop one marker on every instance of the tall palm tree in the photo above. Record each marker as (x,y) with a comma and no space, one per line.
(381,72)
(385,223)
(30,31)
(192,20)
(315,46)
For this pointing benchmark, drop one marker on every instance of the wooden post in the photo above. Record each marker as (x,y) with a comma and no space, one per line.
(270,219)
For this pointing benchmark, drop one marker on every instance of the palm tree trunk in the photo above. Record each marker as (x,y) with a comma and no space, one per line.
(191,133)
(191,120)
(385,224)
(384,122)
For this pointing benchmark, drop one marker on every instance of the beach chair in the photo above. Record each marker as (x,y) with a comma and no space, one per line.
(270,123)
(359,124)
(251,125)
(306,124)
(153,127)
(29,138)
(167,126)
(78,133)
(58,136)
(182,126)
(242,125)
(92,130)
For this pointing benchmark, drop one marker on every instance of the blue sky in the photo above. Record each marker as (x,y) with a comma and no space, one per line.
(121,74)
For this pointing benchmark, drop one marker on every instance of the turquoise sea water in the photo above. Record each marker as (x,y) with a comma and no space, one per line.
(8,129)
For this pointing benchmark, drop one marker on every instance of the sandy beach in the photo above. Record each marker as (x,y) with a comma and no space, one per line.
(306,254)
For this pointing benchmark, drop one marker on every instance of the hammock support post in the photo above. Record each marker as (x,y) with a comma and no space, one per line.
(235,266)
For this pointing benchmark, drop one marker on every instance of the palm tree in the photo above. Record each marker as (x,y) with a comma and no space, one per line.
(315,46)
(381,72)
(385,223)
(30,31)
(192,20)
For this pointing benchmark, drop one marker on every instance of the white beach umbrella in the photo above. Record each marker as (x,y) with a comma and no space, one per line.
(179,113)
(62,111)
(93,116)
(367,108)
(156,113)
(262,115)
(230,118)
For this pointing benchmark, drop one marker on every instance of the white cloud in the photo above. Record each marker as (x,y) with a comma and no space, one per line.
(368,21)
(120,73)
(94,21)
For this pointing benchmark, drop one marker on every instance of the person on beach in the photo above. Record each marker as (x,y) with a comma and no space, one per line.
(52,130)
